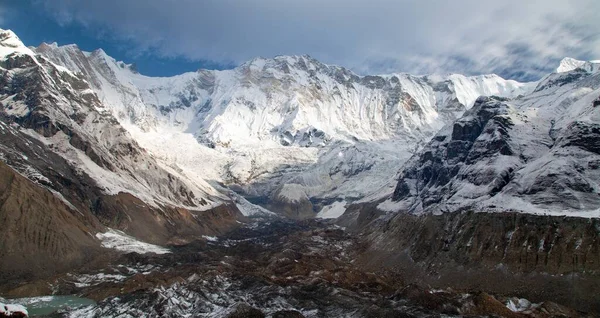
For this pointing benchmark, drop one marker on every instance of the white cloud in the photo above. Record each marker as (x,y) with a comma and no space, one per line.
(523,38)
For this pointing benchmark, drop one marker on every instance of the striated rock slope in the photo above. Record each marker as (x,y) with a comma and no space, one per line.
(40,233)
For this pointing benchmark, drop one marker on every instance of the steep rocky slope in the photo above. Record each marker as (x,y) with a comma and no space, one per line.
(538,257)
(55,132)
(40,233)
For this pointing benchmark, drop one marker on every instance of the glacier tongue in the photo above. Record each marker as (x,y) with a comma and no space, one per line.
(290,122)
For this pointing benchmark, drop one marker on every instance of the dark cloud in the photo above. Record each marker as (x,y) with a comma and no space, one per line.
(523,39)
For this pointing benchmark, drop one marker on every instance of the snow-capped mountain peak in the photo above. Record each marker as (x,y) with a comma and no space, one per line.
(10,40)
(11,44)
(534,154)
(569,64)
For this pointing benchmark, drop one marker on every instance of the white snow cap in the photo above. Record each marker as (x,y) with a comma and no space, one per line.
(10,43)
(568,64)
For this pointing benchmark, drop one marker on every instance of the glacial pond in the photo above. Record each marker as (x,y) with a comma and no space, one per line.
(46,305)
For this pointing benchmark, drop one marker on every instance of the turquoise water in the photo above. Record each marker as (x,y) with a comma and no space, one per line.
(38,306)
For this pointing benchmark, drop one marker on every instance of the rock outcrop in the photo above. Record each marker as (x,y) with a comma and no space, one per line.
(541,257)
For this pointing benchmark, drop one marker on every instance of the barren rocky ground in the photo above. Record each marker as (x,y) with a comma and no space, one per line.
(270,269)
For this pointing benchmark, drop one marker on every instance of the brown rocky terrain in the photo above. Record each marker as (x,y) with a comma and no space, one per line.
(40,233)
(43,235)
(277,269)
(537,257)
(164,225)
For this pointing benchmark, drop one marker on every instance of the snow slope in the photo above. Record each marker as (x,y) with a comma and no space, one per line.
(56,132)
(291,131)
(332,211)
(103,150)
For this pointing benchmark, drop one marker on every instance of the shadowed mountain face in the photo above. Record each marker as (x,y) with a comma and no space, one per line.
(536,154)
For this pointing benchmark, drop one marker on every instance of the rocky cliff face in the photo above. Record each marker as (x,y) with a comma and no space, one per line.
(541,257)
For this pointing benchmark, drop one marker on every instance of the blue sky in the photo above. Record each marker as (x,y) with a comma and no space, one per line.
(34,25)
(516,39)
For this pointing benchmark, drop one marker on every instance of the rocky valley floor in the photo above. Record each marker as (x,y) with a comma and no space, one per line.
(272,268)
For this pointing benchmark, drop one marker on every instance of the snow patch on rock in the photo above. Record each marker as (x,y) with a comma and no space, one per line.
(120,241)
(8,310)
(333,210)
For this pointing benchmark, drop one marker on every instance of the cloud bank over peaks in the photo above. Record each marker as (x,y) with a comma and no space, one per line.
(515,39)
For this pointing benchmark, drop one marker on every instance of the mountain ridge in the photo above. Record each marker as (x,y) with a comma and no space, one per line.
(535,154)
(437,180)
(289,130)
(303,112)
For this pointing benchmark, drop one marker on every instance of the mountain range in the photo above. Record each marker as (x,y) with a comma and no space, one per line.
(290,133)
(99,148)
